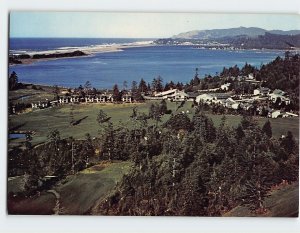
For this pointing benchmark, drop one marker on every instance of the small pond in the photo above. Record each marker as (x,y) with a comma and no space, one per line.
(16,135)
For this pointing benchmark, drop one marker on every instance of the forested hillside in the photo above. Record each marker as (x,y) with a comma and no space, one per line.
(203,170)
(266,41)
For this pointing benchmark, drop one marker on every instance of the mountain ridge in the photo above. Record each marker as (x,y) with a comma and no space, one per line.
(231,32)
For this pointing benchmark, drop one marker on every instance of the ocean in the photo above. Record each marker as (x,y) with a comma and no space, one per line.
(103,70)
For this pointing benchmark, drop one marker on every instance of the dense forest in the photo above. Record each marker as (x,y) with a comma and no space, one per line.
(191,167)
(186,166)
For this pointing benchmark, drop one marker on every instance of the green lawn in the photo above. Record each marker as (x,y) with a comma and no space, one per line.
(280,126)
(27,95)
(78,193)
(42,121)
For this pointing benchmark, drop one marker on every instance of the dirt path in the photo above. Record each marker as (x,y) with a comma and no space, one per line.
(57,208)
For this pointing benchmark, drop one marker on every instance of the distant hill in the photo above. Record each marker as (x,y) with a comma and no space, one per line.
(267,41)
(239,38)
(230,32)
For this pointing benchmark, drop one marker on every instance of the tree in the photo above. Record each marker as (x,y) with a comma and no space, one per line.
(125,85)
(102,117)
(56,92)
(88,149)
(134,113)
(157,84)
(54,137)
(13,81)
(204,127)
(247,69)
(259,180)
(143,88)
(154,112)
(239,133)
(109,139)
(288,143)
(179,121)
(116,93)
(163,107)
(28,144)
(196,80)
(135,90)
(247,121)
(87,87)
(267,129)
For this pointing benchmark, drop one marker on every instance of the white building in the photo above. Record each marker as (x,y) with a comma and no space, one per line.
(225,87)
(281,95)
(179,96)
(250,76)
(127,98)
(173,95)
(205,98)
(274,114)
(230,103)
(262,91)
(217,98)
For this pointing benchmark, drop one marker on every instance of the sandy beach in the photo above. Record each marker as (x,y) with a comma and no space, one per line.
(88,50)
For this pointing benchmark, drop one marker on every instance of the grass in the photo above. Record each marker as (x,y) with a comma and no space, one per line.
(27,95)
(79,193)
(42,121)
(281,203)
(280,126)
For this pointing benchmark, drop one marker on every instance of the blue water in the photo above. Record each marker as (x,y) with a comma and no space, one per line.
(103,70)
(16,135)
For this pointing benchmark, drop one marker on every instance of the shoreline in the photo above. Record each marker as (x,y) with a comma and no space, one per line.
(89,51)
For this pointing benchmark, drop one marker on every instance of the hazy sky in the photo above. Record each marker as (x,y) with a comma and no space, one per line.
(137,25)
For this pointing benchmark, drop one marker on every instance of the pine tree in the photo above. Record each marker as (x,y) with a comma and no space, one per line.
(239,133)
(143,88)
(13,81)
(116,93)
(267,129)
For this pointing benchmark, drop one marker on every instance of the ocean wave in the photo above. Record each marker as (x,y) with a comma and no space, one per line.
(99,62)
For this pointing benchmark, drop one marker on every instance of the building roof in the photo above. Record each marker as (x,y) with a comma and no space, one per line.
(221,95)
(206,95)
(278,92)
(163,93)
(226,85)
(193,94)
(179,93)
(264,89)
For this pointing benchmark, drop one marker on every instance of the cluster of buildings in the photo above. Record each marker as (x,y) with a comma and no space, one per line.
(259,101)
(68,99)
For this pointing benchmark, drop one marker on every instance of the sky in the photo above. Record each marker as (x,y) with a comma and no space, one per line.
(137,25)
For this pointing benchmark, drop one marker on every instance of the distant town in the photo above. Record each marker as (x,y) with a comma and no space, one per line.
(263,101)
